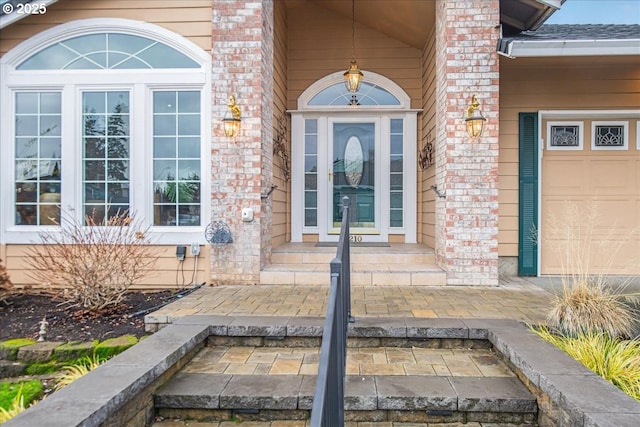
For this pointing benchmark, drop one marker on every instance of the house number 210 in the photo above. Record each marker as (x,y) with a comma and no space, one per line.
(355,238)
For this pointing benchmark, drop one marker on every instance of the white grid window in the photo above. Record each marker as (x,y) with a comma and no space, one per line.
(38,158)
(176,158)
(105,164)
(85,123)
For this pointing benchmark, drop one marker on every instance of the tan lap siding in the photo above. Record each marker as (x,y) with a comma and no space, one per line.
(167,272)
(281,208)
(189,18)
(319,44)
(533,84)
(426,177)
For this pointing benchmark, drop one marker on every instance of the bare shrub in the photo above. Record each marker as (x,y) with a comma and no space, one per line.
(6,287)
(94,264)
(589,302)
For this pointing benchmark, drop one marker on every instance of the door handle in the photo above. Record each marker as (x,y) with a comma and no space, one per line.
(330,173)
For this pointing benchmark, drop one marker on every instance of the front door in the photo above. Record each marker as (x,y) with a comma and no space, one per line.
(361,145)
(353,157)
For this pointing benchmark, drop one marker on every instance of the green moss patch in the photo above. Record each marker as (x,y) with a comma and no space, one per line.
(111,347)
(39,368)
(9,349)
(74,350)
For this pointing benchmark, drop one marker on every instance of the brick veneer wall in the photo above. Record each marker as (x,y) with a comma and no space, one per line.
(241,168)
(467,171)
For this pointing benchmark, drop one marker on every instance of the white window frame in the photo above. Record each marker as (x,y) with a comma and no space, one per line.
(580,126)
(141,84)
(625,135)
(323,114)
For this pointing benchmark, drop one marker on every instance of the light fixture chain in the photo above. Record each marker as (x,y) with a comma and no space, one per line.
(353,28)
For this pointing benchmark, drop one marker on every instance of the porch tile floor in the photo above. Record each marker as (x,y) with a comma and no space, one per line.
(514,299)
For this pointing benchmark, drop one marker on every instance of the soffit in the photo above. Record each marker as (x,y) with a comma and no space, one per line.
(412,21)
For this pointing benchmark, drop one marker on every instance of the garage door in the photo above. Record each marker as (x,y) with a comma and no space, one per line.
(590,214)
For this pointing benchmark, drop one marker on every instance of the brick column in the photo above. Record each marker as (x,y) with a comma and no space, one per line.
(241,168)
(467,171)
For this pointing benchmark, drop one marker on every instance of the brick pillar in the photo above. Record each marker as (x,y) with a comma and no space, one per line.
(241,168)
(467,171)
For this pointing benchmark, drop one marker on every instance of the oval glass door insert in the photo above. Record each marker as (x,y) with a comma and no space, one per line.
(353,161)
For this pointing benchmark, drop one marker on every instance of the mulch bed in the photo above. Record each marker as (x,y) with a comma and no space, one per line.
(21,314)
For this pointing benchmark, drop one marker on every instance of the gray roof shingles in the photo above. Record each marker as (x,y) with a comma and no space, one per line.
(580,32)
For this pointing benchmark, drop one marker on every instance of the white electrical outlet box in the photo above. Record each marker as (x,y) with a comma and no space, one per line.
(247,214)
(195,249)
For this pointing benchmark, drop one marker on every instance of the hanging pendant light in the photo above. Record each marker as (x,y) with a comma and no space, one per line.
(353,75)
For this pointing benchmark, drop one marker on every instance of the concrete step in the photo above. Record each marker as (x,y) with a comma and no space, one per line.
(418,399)
(362,274)
(358,255)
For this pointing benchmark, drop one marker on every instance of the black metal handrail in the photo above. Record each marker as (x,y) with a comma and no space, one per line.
(328,401)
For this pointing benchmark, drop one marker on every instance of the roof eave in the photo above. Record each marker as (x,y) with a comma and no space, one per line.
(545,48)
(6,20)
(551,7)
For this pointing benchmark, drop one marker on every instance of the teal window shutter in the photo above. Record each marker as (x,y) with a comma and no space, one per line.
(528,195)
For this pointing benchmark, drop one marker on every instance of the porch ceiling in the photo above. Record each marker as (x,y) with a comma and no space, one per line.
(411,21)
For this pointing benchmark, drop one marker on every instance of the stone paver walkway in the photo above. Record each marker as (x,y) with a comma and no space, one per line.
(307,424)
(454,362)
(516,299)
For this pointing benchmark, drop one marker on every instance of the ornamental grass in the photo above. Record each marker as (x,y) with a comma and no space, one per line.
(594,296)
(614,359)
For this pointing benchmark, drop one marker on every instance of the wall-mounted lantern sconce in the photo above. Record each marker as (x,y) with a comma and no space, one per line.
(474,119)
(231,120)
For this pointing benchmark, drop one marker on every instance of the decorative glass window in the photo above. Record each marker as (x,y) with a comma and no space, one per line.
(367,94)
(311,173)
(103,122)
(396,212)
(107,51)
(38,162)
(176,158)
(609,135)
(106,135)
(564,135)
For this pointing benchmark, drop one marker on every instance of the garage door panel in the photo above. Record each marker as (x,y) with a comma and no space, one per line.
(563,177)
(598,256)
(614,216)
(551,263)
(607,176)
(606,183)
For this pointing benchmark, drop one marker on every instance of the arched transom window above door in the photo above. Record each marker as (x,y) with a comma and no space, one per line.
(375,92)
